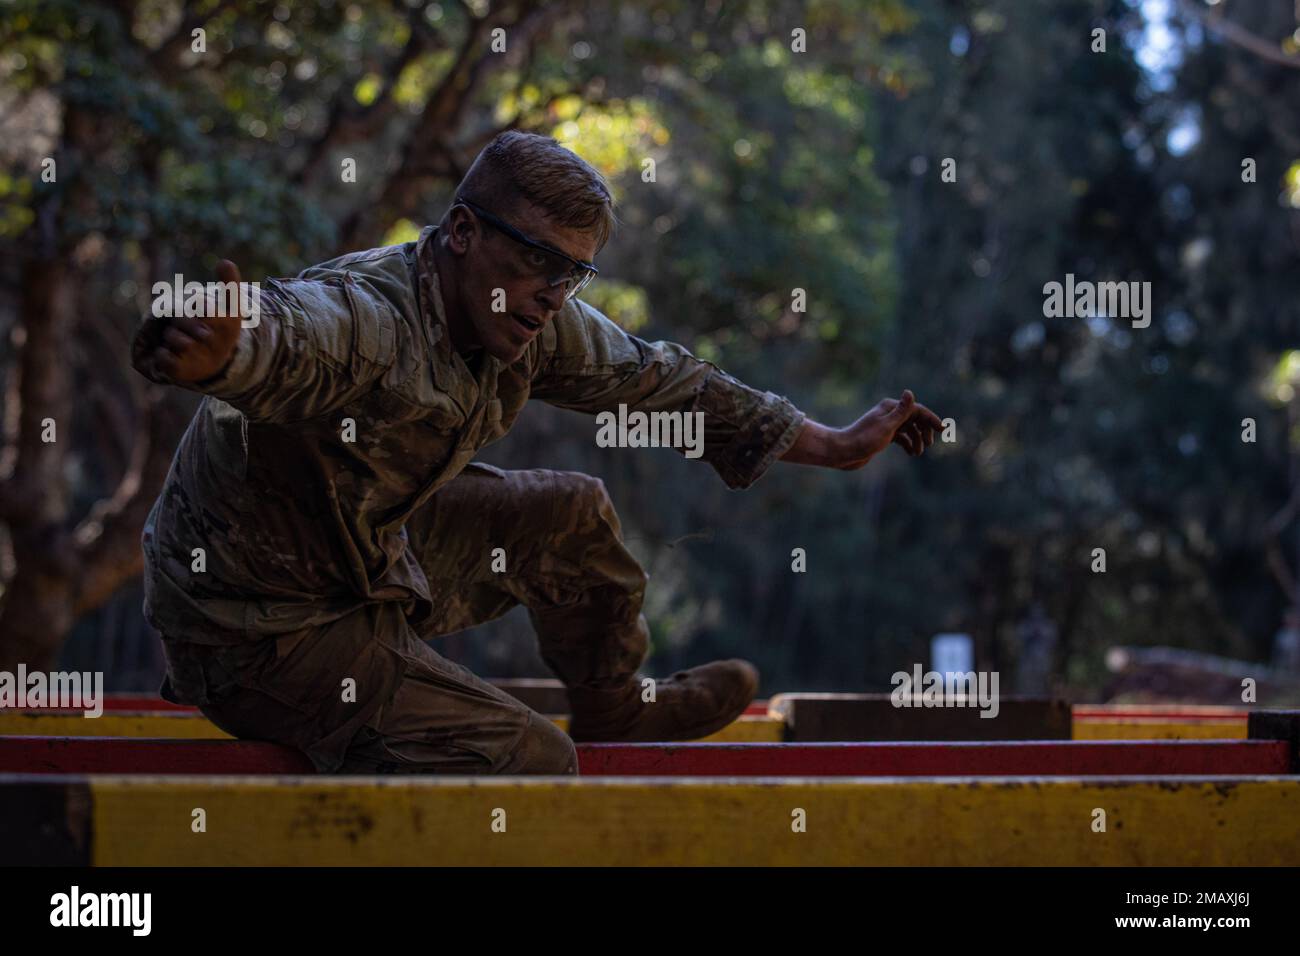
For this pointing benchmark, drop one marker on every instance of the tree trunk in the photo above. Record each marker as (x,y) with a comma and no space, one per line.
(36,613)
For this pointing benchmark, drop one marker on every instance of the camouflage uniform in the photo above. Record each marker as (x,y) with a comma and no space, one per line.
(326,559)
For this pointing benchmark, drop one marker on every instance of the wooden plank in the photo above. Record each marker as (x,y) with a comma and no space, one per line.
(743,730)
(158,756)
(1034,758)
(1137,728)
(196,726)
(131,702)
(687,821)
(169,723)
(867,717)
(1171,712)
(543,696)
(1278,725)
(148,755)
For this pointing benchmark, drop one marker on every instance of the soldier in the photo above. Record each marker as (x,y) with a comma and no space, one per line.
(323,517)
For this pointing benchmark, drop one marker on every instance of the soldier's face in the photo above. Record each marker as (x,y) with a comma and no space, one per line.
(506,290)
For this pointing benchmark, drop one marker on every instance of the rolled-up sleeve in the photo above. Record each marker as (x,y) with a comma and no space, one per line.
(318,344)
(585,362)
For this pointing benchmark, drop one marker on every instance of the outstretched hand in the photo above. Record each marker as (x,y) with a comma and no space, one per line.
(902,421)
(905,422)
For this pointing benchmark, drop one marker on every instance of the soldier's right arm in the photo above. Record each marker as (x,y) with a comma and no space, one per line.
(316,345)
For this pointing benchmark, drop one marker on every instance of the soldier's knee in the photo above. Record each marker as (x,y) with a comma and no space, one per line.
(583,504)
(590,535)
(543,749)
(583,492)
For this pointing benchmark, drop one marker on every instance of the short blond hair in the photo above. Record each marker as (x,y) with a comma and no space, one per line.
(525,167)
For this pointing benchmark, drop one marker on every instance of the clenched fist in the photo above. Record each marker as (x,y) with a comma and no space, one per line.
(191,348)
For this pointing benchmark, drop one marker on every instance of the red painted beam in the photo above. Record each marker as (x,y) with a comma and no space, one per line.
(133,702)
(147,755)
(143,702)
(977,758)
(1124,757)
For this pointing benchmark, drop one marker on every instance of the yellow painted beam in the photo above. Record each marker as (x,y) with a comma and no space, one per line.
(1186,821)
(111,724)
(1170,711)
(1136,728)
(749,730)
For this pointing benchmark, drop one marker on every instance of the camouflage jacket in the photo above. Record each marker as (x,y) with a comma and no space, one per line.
(299,526)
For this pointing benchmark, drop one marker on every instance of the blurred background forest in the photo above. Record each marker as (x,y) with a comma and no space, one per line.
(775,170)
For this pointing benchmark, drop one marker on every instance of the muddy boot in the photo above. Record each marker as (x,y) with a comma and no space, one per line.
(691,704)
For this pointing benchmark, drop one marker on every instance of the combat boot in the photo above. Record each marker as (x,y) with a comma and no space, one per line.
(691,704)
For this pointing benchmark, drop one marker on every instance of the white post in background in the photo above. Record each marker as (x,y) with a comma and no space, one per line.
(952,654)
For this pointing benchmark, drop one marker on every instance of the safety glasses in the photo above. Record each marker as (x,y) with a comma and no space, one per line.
(557,267)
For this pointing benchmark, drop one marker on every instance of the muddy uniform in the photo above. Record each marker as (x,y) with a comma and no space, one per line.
(323,517)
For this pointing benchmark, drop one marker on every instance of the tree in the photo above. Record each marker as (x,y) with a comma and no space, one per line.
(185,133)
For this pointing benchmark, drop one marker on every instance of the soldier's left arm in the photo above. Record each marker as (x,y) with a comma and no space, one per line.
(586,362)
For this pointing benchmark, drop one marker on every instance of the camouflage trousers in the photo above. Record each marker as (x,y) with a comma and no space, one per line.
(414,711)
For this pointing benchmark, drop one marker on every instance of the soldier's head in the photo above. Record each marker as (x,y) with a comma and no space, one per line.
(519,240)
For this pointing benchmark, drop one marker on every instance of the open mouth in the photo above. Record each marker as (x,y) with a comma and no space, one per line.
(532,325)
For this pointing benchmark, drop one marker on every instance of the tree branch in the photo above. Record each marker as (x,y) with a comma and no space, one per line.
(1218,23)
(347,125)
(443,113)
